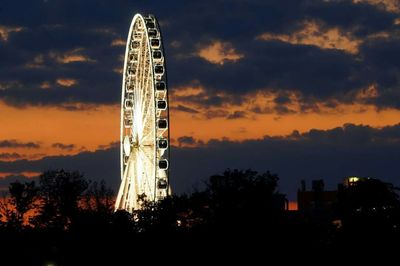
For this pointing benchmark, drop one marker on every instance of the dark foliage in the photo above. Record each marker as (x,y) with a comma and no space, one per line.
(370,215)
(21,200)
(239,215)
(60,192)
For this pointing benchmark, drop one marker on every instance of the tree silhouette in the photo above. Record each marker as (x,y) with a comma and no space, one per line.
(244,196)
(369,213)
(231,203)
(60,192)
(99,198)
(369,203)
(239,211)
(20,201)
(164,216)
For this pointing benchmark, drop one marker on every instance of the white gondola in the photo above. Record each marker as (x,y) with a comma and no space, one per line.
(163,164)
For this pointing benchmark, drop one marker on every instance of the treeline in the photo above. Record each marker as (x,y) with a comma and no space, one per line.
(64,219)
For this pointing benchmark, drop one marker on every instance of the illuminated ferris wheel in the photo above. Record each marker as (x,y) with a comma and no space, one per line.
(144,117)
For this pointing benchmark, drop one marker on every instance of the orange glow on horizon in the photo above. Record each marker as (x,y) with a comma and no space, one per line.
(92,126)
(272,124)
(86,129)
(292,206)
(27,174)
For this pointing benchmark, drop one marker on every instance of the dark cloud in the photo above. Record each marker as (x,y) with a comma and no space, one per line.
(237,115)
(209,114)
(114,144)
(359,18)
(283,110)
(383,58)
(329,154)
(8,156)
(189,141)
(52,28)
(186,140)
(185,109)
(67,147)
(5,181)
(282,98)
(205,99)
(17,144)
(102,164)
(311,70)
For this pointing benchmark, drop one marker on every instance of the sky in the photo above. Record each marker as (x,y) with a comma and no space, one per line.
(303,88)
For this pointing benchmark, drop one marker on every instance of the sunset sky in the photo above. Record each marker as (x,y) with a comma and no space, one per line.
(306,89)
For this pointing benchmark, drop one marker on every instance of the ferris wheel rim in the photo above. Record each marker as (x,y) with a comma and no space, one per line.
(155,150)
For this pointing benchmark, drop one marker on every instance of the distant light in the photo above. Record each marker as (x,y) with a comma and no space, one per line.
(337,223)
(353,179)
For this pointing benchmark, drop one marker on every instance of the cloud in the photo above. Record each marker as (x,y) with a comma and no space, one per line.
(389,5)
(309,70)
(219,53)
(102,164)
(45,85)
(329,154)
(185,109)
(189,141)
(66,82)
(7,178)
(118,42)
(284,110)
(72,56)
(24,175)
(216,113)
(382,57)
(6,30)
(237,115)
(17,144)
(37,62)
(317,49)
(114,144)
(9,156)
(67,147)
(186,140)
(361,19)
(313,34)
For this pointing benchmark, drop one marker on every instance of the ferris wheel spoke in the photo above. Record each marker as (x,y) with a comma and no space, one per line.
(148,111)
(122,192)
(142,105)
(123,195)
(146,137)
(146,72)
(149,166)
(141,174)
(148,119)
(130,188)
(145,102)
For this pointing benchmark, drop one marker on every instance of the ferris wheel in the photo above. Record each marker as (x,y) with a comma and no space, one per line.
(144,117)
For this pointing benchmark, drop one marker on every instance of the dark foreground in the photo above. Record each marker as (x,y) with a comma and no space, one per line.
(239,218)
